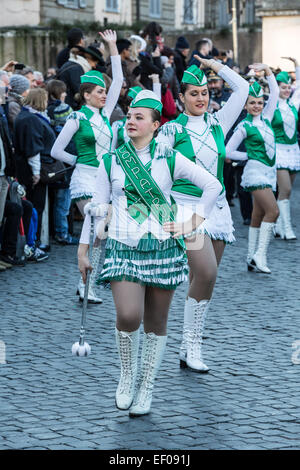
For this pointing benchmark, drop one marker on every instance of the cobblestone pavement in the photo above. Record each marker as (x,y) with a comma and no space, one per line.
(249,399)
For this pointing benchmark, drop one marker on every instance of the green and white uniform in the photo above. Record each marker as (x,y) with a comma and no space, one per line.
(91,131)
(285,124)
(92,139)
(138,249)
(259,139)
(201,140)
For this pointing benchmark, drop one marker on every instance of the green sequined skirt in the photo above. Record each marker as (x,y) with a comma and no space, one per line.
(152,263)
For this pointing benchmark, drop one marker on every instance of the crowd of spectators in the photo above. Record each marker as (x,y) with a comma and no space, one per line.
(35,106)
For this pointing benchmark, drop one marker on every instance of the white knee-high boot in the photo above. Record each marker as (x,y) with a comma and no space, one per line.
(253,235)
(195,315)
(128,348)
(185,332)
(92,297)
(285,212)
(278,226)
(260,257)
(152,354)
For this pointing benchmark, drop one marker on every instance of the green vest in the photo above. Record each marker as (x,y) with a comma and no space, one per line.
(183,144)
(255,143)
(278,126)
(84,138)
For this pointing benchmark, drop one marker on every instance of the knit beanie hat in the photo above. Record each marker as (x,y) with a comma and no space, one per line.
(182,43)
(19,84)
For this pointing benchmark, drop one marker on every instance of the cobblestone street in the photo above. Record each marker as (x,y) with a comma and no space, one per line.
(249,399)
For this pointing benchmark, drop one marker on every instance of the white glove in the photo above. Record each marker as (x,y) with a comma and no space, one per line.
(100,230)
(97,210)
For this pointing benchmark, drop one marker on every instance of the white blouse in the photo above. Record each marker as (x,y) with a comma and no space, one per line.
(122,226)
(103,140)
(240,133)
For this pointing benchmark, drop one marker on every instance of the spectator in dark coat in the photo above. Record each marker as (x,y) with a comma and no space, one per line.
(182,49)
(75,38)
(150,63)
(202,49)
(33,140)
(71,72)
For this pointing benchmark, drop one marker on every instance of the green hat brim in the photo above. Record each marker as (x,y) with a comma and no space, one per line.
(194,76)
(147,103)
(133,91)
(96,79)
(283,77)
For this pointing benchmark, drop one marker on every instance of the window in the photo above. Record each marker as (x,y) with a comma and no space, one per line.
(72,3)
(188,11)
(155,8)
(223,13)
(111,5)
(250,12)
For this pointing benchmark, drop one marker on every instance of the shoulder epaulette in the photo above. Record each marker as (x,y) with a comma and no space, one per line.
(163,150)
(171,128)
(77,115)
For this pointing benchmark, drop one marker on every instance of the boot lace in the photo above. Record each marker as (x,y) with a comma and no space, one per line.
(127,376)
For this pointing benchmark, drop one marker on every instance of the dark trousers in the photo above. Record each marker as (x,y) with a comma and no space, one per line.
(13,214)
(244,196)
(229,181)
(37,195)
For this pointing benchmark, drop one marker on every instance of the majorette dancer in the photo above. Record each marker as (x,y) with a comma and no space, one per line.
(144,263)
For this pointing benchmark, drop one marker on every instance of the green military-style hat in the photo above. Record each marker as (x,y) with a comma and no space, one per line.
(283,77)
(133,91)
(256,90)
(194,76)
(93,76)
(146,99)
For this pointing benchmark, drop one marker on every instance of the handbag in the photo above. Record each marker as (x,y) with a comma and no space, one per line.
(49,169)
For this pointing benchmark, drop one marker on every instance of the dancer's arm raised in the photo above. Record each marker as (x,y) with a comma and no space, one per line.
(110,37)
(270,107)
(295,99)
(232,109)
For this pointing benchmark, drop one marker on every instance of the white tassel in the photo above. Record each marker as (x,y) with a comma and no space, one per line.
(171,128)
(77,115)
(163,150)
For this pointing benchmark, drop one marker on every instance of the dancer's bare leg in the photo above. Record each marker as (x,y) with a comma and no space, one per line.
(219,247)
(284,180)
(157,304)
(129,299)
(203,269)
(265,204)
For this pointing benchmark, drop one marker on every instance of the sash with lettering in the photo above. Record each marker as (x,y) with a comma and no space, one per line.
(143,194)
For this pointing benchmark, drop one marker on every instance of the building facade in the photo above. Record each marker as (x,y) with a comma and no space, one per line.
(280,31)
(180,15)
